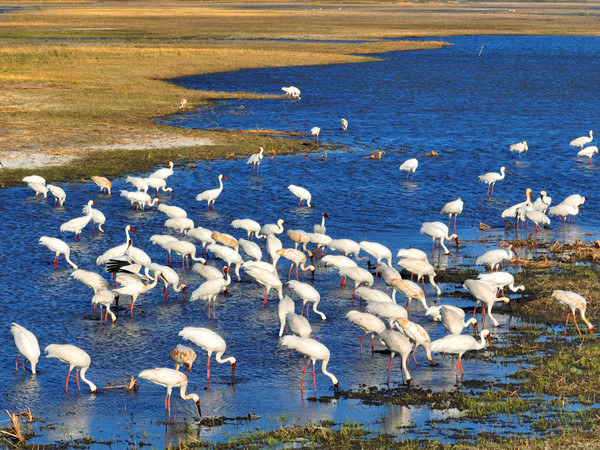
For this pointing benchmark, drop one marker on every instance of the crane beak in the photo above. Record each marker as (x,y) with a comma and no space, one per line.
(96,204)
(476,327)
(336,387)
(184,289)
(408,381)
(325,215)
(133,231)
(198,406)
(490,341)
(226,177)
(507,172)
(456,239)
(233,370)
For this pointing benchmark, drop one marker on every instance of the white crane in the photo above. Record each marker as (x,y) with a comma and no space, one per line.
(491,178)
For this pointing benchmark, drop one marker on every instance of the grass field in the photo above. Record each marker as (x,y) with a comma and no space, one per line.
(81,76)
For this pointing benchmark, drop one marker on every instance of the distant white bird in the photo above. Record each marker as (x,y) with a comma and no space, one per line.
(438,231)
(588,151)
(344,124)
(412,253)
(90,279)
(250,226)
(271,228)
(493,258)
(313,350)
(186,249)
(291,92)
(397,343)
(265,276)
(453,208)
(420,268)
(158,184)
(27,344)
(77,359)
(377,251)
(388,311)
(490,178)
(203,235)
(519,147)
(102,183)
(211,195)
(320,240)
(581,141)
(285,306)
(368,323)
(542,202)
(321,228)
(410,166)
(512,212)
(139,199)
(34,179)
(60,196)
(137,182)
(105,297)
(315,131)
(59,247)
(563,210)
(301,193)
(79,223)
(273,245)
(298,325)
(207,272)
(486,294)
(347,247)
(227,254)
(181,224)
(307,294)
(172,211)
(97,217)
(39,189)
(210,290)
(501,280)
(182,103)
(170,378)
(251,249)
(255,159)
(458,344)
(212,343)
(455,322)
(163,173)
(575,302)
(538,218)
(359,275)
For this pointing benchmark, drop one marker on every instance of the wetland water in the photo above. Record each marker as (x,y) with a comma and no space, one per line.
(469,109)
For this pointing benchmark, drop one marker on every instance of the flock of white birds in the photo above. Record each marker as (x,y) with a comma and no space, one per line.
(135,274)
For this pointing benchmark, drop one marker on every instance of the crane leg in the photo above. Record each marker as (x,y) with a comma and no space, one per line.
(67,382)
(314,379)
(361,339)
(574,320)
(303,373)
(390,366)
(208,370)
(266,298)
(16,363)
(77,378)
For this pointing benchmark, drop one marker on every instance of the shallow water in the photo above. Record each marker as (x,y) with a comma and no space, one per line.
(468,109)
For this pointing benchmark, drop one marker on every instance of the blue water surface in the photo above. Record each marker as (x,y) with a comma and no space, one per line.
(466,107)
